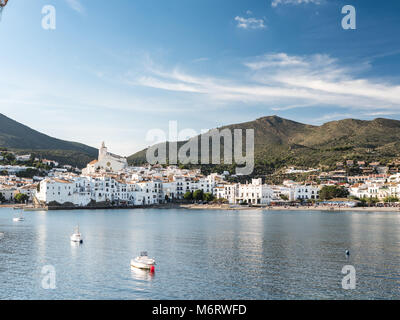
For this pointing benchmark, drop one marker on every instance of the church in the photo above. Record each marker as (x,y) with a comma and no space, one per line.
(107,161)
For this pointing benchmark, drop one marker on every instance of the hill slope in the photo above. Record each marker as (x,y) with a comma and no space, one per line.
(18,137)
(281,142)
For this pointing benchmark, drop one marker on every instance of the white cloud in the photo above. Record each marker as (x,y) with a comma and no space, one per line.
(76,5)
(332,116)
(382,113)
(285,82)
(275,3)
(250,23)
(270,60)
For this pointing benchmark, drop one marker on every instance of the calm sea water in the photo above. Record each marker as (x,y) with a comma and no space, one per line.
(201,254)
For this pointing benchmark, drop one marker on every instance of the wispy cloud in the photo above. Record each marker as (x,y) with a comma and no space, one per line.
(76,5)
(275,60)
(250,23)
(275,3)
(284,82)
(332,116)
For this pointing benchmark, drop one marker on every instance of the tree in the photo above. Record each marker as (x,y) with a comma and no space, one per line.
(284,197)
(188,196)
(372,201)
(390,199)
(330,192)
(363,202)
(198,195)
(208,197)
(9,157)
(21,198)
(28,173)
(2,198)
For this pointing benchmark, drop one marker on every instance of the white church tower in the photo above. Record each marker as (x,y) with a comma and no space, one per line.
(107,161)
(102,151)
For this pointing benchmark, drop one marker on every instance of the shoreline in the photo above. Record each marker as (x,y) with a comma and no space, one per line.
(227,207)
(19,206)
(289,208)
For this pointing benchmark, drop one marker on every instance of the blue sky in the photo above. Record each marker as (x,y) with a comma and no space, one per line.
(112,70)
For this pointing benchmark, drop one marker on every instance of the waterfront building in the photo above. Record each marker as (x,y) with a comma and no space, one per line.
(379,189)
(7,192)
(29,190)
(359,190)
(56,190)
(302,191)
(255,193)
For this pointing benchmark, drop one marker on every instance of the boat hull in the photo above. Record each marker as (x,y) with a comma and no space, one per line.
(76,239)
(142,265)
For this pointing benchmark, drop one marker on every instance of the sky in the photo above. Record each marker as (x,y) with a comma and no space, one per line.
(113,70)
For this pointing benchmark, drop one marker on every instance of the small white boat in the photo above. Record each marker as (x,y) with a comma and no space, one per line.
(19,219)
(77,236)
(143,262)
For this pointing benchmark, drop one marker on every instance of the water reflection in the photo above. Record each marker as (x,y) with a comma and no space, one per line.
(41,242)
(201,255)
(75,244)
(142,275)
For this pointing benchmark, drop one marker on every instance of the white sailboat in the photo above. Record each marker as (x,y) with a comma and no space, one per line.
(77,236)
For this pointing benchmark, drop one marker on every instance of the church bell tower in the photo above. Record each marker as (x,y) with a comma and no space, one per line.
(102,151)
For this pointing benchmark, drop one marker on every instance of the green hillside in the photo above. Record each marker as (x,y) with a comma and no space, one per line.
(18,137)
(281,142)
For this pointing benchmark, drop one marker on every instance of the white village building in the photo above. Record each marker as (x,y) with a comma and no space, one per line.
(301,192)
(254,193)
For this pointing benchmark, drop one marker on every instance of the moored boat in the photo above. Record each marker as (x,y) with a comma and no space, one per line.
(143,262)
(77,236)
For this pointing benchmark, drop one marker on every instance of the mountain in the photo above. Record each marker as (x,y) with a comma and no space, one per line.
(18,137)
(280,142)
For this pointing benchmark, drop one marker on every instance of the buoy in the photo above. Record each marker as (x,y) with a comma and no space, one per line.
(152,269)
